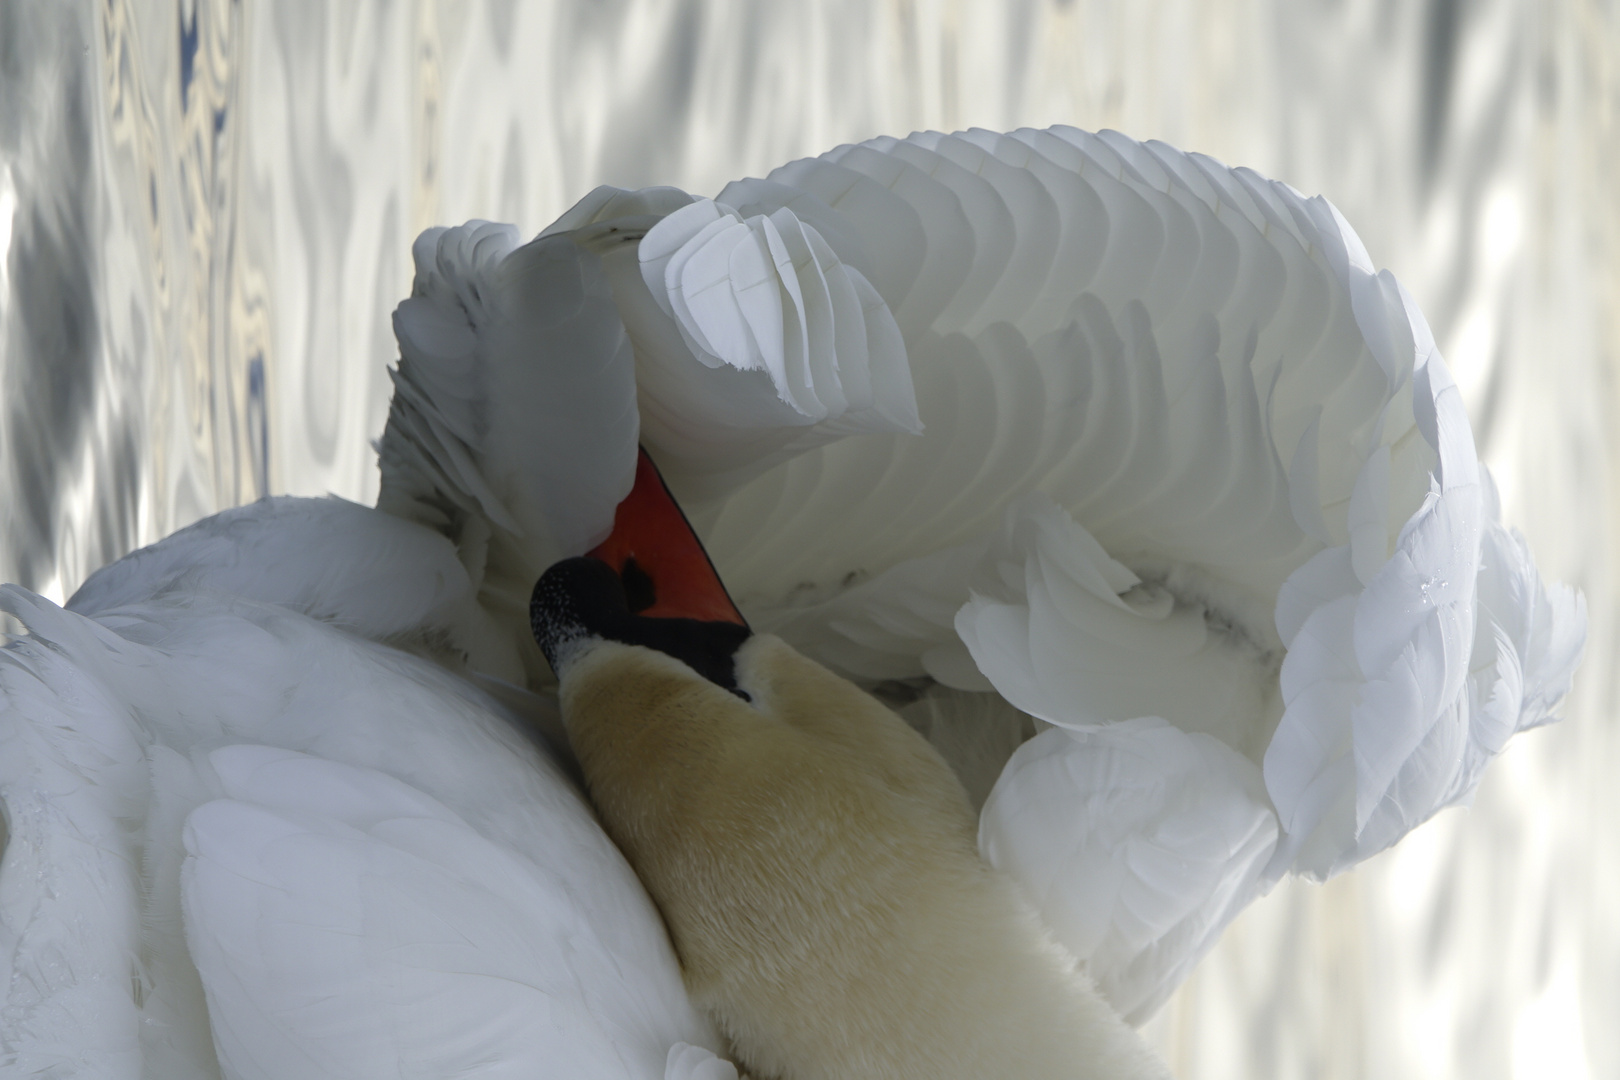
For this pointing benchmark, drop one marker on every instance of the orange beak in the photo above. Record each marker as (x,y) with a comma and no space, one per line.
(666,572)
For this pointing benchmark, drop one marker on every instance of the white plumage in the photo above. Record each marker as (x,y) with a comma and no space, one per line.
(351,854)
(1043,425)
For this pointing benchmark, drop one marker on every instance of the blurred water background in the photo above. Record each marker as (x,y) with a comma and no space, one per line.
(206,211)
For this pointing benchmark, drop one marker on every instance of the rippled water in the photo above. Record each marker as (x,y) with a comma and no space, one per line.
(205,217)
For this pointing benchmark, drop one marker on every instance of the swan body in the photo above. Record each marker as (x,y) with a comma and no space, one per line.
(1121,474)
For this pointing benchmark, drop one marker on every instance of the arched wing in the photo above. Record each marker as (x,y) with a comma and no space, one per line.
(1203,371)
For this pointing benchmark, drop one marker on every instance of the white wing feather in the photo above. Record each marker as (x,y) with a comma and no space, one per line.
(73,778)
(1138,842)
(119,727)
(1228,396)
(346,924)
(753,341)
(1224,399)
(513,426)
(378,576)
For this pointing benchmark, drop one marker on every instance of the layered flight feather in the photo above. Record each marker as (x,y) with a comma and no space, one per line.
(1258,513)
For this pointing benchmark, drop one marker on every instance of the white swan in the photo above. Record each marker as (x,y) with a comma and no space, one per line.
(1193,493)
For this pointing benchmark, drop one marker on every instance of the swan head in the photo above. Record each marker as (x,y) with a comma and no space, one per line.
(581,602)
(649,583)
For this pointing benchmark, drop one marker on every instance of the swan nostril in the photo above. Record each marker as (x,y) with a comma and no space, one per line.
(639,591)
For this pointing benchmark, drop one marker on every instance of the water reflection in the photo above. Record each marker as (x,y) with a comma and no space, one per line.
(205,216)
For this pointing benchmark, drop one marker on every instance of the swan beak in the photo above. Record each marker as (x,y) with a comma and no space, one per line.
(649,583)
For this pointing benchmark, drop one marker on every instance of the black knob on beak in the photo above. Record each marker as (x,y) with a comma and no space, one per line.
(583,598)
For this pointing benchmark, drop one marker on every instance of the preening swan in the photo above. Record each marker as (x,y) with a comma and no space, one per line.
(1122,475)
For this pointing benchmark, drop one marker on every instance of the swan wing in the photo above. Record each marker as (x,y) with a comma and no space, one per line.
(753,339)
(372,574)
(1081,320)
(1202,369)
(346,924)
(1221,398)
(378,576)
(1138,842)
(513,425)
(73,778)
(163,745)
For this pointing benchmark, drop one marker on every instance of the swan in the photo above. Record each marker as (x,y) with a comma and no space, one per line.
(1121,475)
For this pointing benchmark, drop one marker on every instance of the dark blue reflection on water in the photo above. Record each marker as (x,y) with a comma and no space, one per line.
(258,425)
(188,57)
